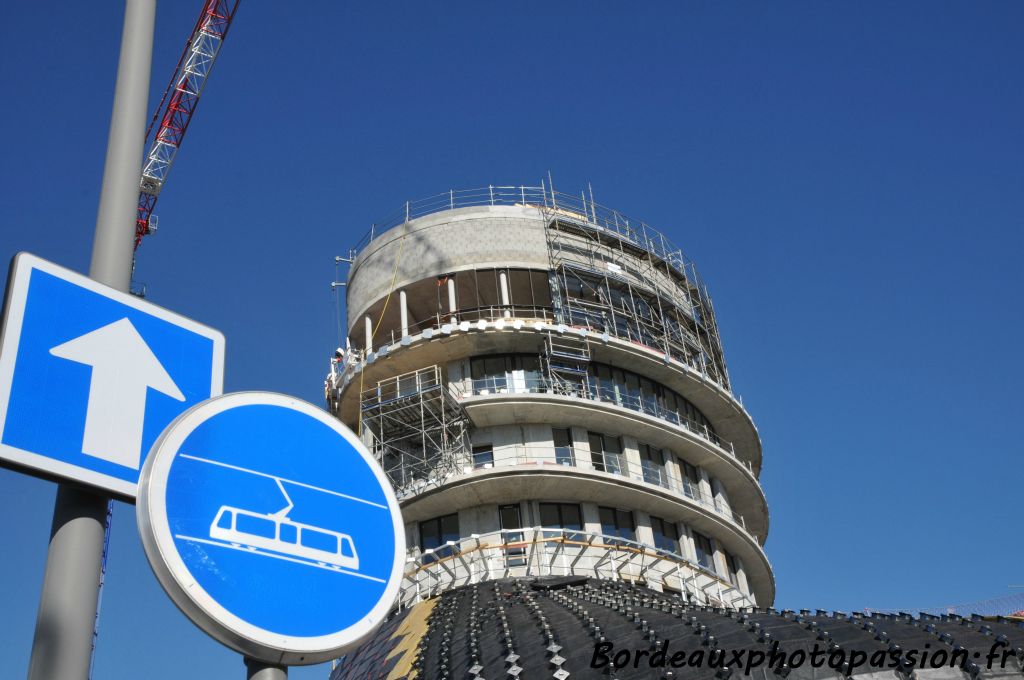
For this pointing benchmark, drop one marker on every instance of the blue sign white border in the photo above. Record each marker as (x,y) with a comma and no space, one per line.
(18,279)
(189,595)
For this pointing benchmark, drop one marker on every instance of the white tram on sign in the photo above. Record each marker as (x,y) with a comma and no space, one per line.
(256,530)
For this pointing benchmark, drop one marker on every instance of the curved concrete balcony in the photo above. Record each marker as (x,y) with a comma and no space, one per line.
(514,329)
(543,401)
(538,551)
(509,481)
(594,391)
(648,475)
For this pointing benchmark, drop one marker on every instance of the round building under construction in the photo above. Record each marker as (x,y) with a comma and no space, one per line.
(543,381)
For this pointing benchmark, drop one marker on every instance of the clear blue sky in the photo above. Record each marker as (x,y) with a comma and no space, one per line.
(848,176)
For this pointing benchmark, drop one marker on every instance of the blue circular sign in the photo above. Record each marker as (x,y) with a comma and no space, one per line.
(271,526)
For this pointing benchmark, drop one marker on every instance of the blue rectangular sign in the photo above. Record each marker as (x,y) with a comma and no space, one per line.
(90,376)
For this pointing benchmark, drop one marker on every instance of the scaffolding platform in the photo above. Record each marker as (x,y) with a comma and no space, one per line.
(415,428)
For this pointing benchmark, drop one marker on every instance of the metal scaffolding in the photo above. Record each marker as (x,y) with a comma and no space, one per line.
(626,280)
(415,428)
(608,273)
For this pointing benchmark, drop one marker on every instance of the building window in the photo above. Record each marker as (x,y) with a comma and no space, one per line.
(633,391)
(606,453)
(562,437)
(618,523)
(434,533)
(666,536)
(561,516)
(652,462)
(483,456)
(603,383)
(524,373)
(705,553)
(691,480)
(489,374)
(506,373)
(511,521)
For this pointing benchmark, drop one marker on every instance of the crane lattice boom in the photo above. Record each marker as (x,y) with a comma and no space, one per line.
(179,102)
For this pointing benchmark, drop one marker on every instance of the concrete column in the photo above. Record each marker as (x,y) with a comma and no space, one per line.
(502,441)
(721,496)
(412,536)
(462,373)
(705,485)
(591,518)
(741,575)
(581,448)
(457,379)
(686,542)
(673,471)
(503,280)
(403,303)
(479,520)
(451,298)
(644,532)
(681,541)
(531,513)
(542,437)
(631,453)
(721,567)
(369,334)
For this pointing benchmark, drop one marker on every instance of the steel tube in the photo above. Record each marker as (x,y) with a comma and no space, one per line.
(258,670)
(62,647)
(114,240)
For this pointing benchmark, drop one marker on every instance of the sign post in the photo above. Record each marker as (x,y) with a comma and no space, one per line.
(272,527)
(89,377)
(62,647)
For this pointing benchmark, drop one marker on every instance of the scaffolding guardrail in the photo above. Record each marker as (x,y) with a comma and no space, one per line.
(579,209)
(401,386)
(496,317)
(414,426)
(544,551)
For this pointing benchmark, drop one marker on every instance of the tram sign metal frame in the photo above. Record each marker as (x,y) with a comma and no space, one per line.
(290,587)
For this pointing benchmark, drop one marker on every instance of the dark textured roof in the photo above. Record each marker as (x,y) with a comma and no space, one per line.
(548,628)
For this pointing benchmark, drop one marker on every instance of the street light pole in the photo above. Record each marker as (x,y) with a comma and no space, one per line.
(62,647)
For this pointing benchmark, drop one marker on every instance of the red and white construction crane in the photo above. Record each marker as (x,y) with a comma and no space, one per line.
(178,105)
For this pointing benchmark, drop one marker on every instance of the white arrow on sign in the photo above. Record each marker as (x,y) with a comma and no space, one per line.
(123,367)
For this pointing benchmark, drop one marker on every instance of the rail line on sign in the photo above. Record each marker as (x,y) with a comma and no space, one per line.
(282,479)
(276,556)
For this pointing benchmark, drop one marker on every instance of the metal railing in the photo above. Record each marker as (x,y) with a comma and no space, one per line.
(544,551)
(400,386)
(595,391)
(466,319)
(578,458)
(507,315)
(578,209)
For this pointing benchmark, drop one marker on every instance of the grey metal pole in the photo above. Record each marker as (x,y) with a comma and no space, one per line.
(67,608)
(257,670)
(62,647)
(113,243)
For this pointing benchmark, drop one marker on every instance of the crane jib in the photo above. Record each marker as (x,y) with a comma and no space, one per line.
(178,104)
